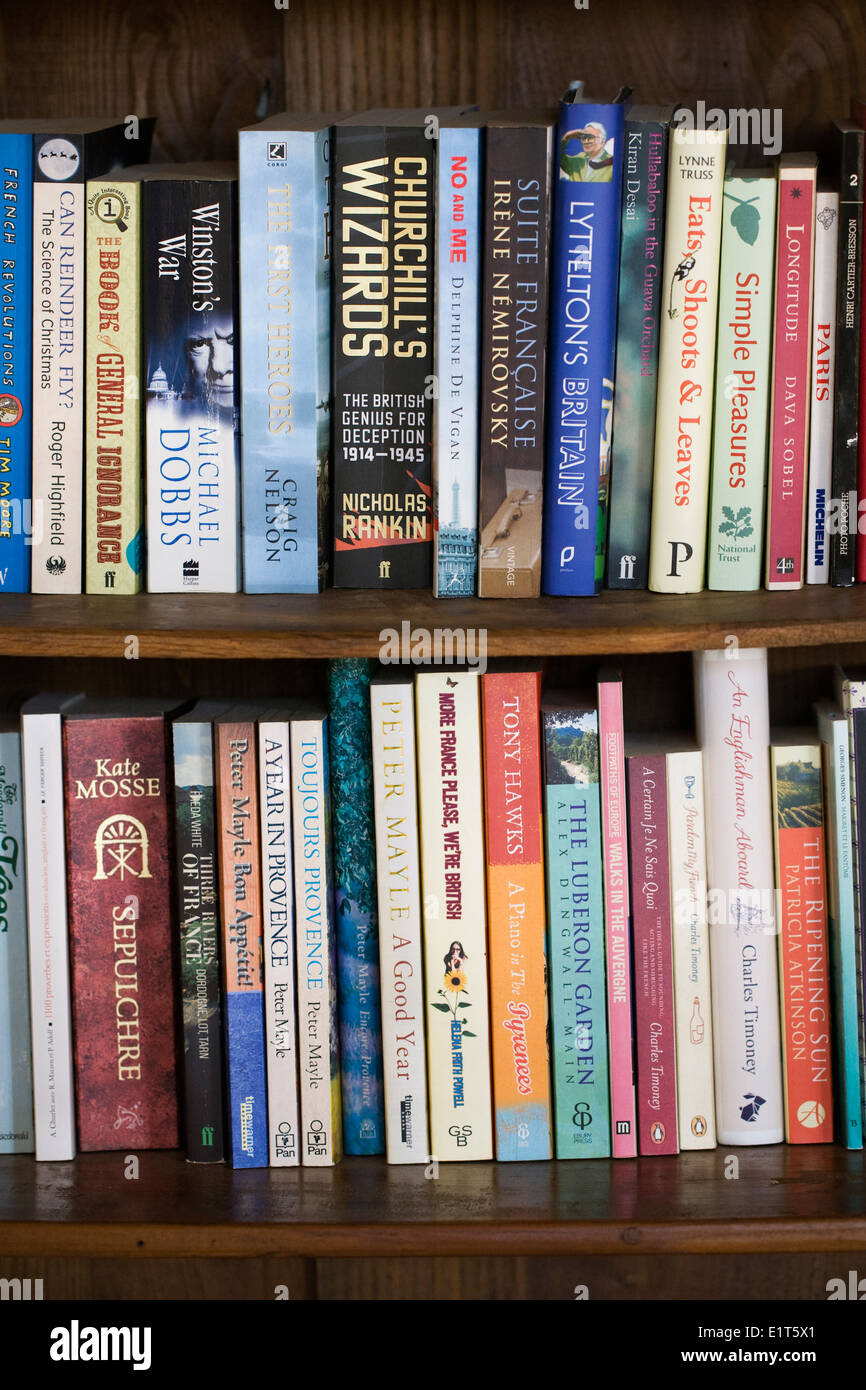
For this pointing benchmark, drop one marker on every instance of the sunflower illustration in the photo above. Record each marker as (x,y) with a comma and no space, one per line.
(455,981)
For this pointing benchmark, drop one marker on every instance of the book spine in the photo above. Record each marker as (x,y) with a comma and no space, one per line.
(455,408)
(199,937)
(514,326)
(576,917)
(687,349)
(356,905)
(637,353)
(114,543)
(120,927)
(455,936)
(318,1029)
(790,391)
(740,428)
(585,265)
(516,905)
(285,283)
(278,934)
(241,923)
(58,367)
(653,956)
(845,563)
(857,734)
(16,364)
(798,815)
(189,250)
(687,839)
(823,387)
(734,731)
(384,189)
(392,713)
(616,919)
(16,1086)
(846,1006)
(50,1001)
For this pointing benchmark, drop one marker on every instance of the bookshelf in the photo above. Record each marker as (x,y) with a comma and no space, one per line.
(794,1216)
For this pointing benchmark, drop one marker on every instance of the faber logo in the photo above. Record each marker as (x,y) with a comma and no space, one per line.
(626,566)
(76,1343)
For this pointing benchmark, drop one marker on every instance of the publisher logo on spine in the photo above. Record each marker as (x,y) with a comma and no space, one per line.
(58,160)
(277,153)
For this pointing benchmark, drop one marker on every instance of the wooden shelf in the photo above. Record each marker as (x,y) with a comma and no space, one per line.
(785,1199)
(348,623)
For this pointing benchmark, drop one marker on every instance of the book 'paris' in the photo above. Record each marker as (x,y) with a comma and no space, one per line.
(16,1084)
(16,364)
(587,201)
(285,310)
(845,562)
(823,386)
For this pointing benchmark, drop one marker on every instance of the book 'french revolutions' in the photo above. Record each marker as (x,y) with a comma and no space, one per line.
(16,365)
(384,179)
(285,307)
(687,353)
(189,272)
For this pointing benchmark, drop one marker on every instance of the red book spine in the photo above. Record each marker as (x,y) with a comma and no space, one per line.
(120,925)
(655,1042)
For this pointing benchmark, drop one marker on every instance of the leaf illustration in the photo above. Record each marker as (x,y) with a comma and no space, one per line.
(443,1008)
(746,531)
(727,528)
(464,1006)
(467,1034)
(743,513)
(726,511)
(746,221)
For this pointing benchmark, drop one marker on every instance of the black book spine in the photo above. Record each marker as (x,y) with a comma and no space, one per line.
(513,348)
(843,539)
(384,184)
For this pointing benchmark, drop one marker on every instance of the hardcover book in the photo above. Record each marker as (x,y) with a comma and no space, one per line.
(513,351)
(285,311)
(240,906)
(655,1045)
(849,481)
(590,137)
(66,154)
(792,359)
(197,878)
(113,524)
(516,913)
(804,967)
(455,921)
(740,428)
(355,904)
(120,923)
(690,284)
(189,271)
(401,950)
(576,927)
(318,1027)
(47,925)
(638,323)
(384,259)
(16,1085)
(16,365)
(823,387)
(734,731)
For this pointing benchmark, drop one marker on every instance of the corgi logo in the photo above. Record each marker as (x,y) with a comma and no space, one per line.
(749,1111)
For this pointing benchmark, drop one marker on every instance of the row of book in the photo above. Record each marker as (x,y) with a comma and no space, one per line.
(448,916)
(492,353)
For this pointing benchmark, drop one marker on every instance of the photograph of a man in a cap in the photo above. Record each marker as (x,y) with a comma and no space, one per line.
(595,163)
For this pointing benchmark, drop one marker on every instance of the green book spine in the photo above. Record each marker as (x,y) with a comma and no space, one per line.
(740,425)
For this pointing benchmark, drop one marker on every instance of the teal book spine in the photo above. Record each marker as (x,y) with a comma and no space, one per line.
(356,905)
(573,853)
(16,1086)
(741,420)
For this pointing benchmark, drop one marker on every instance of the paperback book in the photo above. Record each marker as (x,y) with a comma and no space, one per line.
(846,561)
(16,364)
(823,387)
(16,1085)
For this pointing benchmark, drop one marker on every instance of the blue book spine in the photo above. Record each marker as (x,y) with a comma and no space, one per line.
(285,279)
(16,1086)
(455,433)
(583,290)
(16,362)
(576,916)
(356,904)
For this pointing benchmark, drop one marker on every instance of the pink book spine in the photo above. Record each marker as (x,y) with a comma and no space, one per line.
(616,906)
(652,946)
(790,385)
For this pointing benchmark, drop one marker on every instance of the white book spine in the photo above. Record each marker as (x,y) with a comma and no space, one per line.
(455,921)
(50,1005)
(822,387)
(318,1034)
(58,387)
(401,961)
(691,949)
(278,920)
(734,731)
